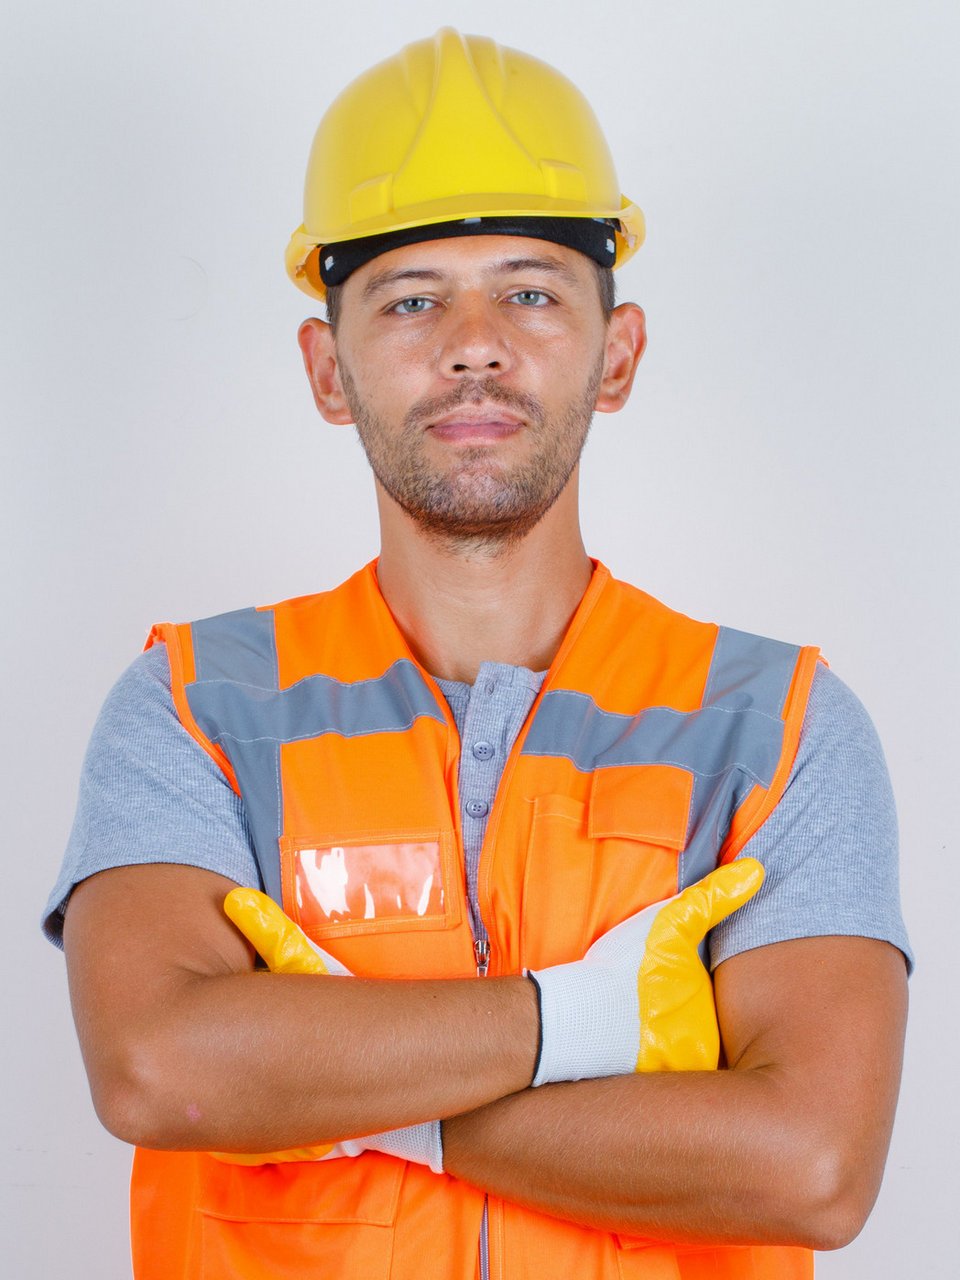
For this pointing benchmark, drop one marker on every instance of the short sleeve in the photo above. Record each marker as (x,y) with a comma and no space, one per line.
(150,793)
(830,847)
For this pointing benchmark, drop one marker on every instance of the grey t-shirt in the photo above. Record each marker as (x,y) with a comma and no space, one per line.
(150,793)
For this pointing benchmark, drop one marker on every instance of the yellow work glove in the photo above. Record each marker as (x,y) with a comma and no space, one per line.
(641,999)
(678,1017)
(286,949)
(283,945)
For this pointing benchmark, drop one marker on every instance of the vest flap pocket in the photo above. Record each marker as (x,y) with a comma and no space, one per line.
(652,1260)
(640,1242)
(293,1221)
(363,1189)
(648,802)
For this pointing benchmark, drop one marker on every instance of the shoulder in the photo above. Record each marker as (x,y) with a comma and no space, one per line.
(839,736)
(142,692)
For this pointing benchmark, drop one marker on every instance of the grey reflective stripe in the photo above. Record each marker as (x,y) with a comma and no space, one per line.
(257,766)
(237,703)
(238,652)
(239,713)
(732,742)
(572,725)
(237,646)
(750,677)
(712,805)
(750,672)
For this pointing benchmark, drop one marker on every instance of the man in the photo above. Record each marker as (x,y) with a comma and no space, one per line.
(471,775)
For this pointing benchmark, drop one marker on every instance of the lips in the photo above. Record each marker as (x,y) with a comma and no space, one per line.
(484,424)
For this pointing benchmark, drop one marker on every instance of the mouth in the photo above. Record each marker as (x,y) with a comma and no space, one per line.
(476,424)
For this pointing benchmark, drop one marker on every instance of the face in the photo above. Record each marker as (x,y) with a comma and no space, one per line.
(472,368)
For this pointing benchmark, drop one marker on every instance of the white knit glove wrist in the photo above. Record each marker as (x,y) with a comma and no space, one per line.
(589,1009)
(420,1143)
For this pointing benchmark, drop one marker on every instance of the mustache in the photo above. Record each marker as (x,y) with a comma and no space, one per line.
(476,391)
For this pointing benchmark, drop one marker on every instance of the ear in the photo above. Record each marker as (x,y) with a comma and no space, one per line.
(319,350)
(626,343)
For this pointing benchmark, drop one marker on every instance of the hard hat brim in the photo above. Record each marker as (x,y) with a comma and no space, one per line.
(303,252)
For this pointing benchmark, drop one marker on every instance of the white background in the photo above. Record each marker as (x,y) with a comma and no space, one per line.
(788,463)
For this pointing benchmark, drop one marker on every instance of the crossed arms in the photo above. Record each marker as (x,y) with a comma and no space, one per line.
(187,1048)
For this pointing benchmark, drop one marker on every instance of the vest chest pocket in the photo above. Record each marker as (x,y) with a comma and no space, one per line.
(592,863)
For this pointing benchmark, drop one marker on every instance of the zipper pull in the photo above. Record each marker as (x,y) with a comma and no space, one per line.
(481,949)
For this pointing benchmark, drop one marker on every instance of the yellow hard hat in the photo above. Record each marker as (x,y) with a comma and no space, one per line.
(448,131)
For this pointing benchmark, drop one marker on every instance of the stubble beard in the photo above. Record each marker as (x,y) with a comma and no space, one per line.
(480,504)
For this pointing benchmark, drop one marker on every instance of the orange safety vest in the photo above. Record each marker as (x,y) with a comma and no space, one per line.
(655,749)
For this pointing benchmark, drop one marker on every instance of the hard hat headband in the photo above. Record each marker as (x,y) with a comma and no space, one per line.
(591,236)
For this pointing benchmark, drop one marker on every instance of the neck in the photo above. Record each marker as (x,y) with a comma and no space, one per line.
(459,606)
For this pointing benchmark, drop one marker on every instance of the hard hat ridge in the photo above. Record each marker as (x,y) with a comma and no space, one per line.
(462,123)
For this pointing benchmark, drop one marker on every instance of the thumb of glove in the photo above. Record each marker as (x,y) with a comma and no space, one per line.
(283,945)
(594,1012)
(678,1018)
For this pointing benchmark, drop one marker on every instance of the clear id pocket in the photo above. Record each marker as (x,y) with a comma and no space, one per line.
(336,888)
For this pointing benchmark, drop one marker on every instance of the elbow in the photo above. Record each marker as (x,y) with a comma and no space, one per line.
(132,1098)
(122,1114)
(834,1201)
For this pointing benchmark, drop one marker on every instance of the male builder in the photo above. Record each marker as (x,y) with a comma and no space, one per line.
(471,776)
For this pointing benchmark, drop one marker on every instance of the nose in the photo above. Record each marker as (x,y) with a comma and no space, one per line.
(474,341)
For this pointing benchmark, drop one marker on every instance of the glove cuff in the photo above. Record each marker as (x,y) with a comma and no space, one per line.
(424,1143)
(536,1063)
(589,1023)
(421,1143)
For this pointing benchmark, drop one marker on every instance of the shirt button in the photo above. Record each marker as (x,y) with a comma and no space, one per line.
(477,808)
(489,687)
(482,750)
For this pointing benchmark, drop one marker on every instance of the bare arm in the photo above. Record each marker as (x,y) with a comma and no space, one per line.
(787,1146)
(187,1047)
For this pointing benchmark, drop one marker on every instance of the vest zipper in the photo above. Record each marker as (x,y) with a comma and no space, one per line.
(481,949)
(485,1243)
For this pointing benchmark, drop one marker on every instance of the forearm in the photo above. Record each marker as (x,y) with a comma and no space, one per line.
(785,1146)
(260,1062)
(186,1046)
(725,1156)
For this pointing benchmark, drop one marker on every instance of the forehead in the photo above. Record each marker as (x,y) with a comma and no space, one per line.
(469,260)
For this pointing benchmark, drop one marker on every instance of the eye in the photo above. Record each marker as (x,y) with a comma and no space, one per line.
(531,298)
(412,306)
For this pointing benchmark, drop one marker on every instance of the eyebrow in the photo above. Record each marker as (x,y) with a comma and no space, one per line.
(386,278)
(552,266)
(505,266)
